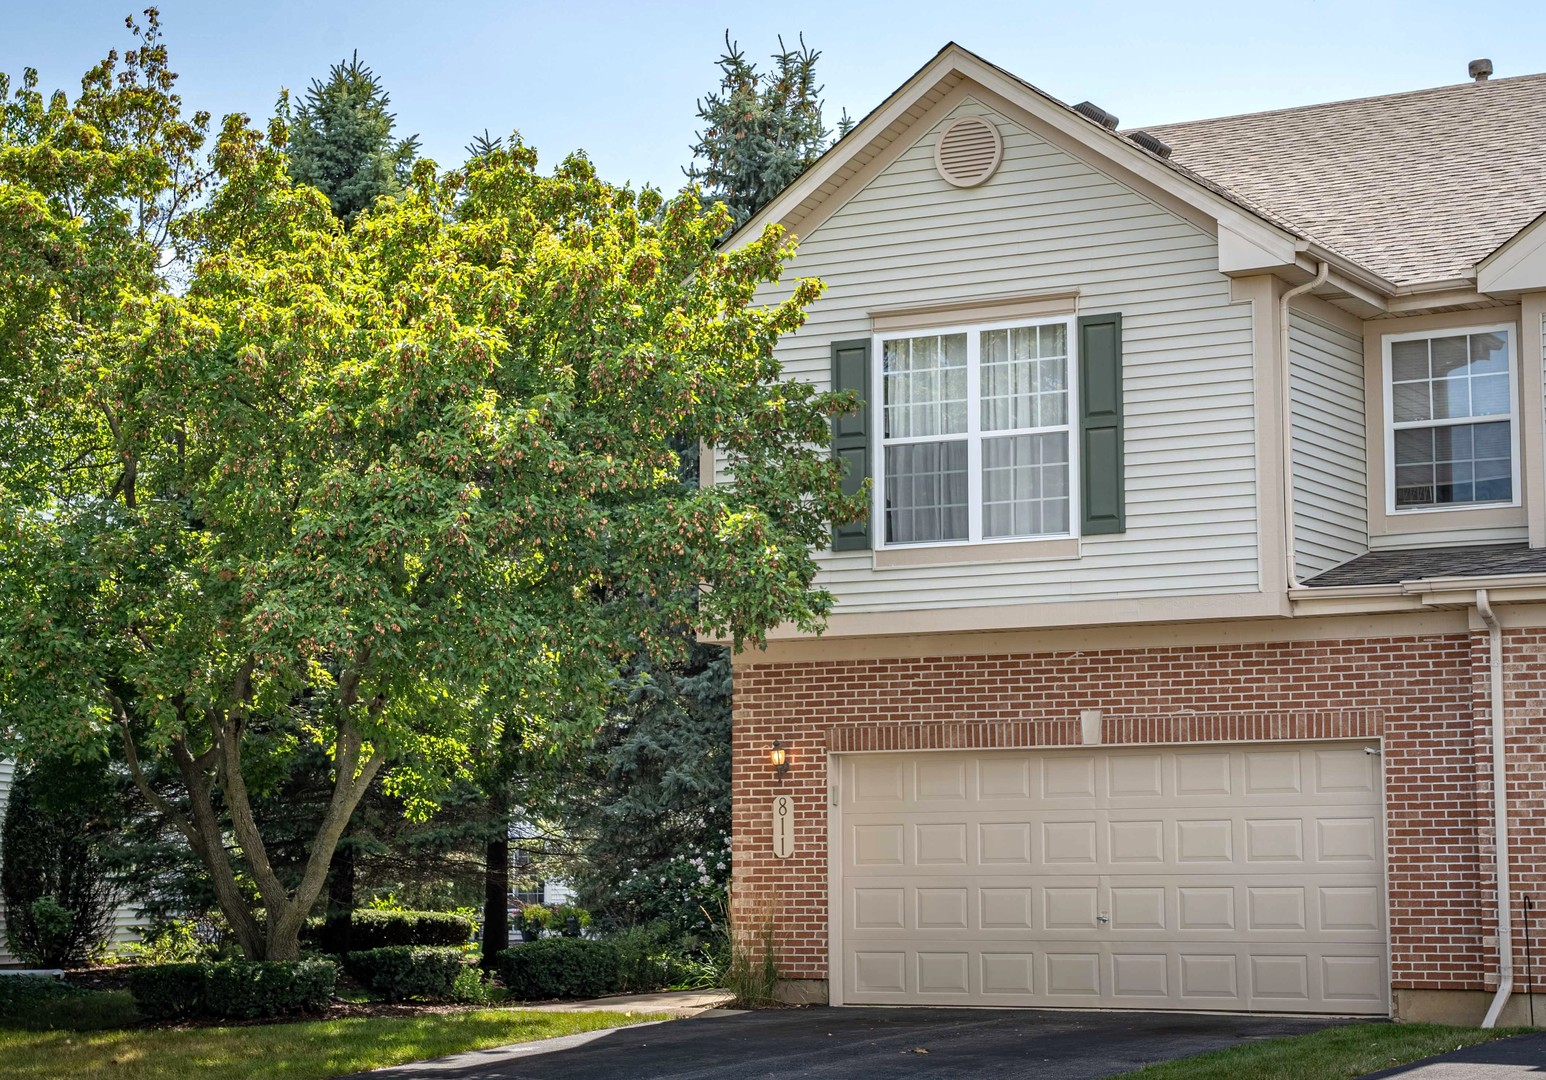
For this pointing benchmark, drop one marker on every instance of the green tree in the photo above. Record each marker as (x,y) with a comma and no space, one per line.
(645,809)
(342,142)
(55,885)
(761,128)
(399,493)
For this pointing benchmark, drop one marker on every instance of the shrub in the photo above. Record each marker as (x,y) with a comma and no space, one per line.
(649,958)
(560,968)
(173,942)
(370,929)
(397,972)
(233,989)
(21,994)
(54,887)
(471,988)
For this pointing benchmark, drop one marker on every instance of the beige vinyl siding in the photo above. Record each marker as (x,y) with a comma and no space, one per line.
(1046,222)
(1331,503)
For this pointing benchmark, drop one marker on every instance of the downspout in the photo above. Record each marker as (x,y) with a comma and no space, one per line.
(1499,813)
(1285,394)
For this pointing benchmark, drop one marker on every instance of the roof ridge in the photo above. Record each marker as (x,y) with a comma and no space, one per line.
(1447,87)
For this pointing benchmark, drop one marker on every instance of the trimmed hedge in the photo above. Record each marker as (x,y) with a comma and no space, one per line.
(397,972)
(560,968)
(233,989)
(21,994)
(383,929)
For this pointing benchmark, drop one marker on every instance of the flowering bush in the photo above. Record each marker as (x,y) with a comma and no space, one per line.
(686,893)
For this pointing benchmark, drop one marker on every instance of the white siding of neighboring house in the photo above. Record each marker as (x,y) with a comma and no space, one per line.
(7,770)
(556,892)
(1046,222)
(1331,504)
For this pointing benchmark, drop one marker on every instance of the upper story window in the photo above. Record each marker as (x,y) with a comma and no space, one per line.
(977,443)
(1452,438)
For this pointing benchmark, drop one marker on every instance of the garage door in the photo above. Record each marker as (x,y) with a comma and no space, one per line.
(1224,878)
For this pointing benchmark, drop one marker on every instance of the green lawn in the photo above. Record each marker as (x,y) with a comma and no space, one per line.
(1333,1054)
(309,1050)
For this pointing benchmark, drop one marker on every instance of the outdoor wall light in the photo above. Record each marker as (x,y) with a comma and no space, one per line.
(779,758)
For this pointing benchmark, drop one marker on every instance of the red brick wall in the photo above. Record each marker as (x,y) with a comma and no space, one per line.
(1426,696)
(1524,705)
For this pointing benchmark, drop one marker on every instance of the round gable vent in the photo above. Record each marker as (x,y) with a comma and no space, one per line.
(968,151)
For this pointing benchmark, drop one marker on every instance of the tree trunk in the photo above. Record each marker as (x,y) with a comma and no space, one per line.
(496,885)
(340,899)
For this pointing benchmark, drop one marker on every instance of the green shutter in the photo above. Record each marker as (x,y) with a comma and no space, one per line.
(1102,488)
(851,435)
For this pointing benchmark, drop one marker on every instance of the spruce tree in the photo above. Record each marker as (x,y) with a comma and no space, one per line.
(762,128)
(647,810)
(342,142)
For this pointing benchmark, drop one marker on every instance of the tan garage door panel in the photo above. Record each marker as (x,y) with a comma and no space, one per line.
(1193,878)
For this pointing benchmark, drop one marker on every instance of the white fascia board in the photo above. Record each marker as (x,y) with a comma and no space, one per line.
(1126,155)
(1519,265)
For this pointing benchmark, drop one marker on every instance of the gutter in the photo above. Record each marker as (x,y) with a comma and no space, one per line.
(1499,812)
(1286,420)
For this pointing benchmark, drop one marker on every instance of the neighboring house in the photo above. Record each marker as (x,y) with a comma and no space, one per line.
(1208,474)
(7,770)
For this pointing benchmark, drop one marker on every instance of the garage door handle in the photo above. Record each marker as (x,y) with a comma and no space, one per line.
(1103,918)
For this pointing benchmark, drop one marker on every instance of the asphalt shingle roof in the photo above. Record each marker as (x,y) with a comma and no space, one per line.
(1393,567)
(1416,187)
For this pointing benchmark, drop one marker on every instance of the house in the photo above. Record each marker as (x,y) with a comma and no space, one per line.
(1204,590)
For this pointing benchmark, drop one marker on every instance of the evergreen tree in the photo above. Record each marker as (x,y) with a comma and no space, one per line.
(647,809)
(342,140)
(762,128)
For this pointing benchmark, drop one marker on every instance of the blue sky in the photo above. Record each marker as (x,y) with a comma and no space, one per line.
(620,79)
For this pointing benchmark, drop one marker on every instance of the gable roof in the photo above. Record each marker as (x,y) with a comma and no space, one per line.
(1418,187)
(1255,224)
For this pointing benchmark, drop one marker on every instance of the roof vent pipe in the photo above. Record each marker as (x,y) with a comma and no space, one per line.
(1157,147)
(1479,69)
(1092,111)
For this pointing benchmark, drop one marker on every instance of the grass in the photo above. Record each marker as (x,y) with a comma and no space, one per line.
(1331,1054)
(308,1050)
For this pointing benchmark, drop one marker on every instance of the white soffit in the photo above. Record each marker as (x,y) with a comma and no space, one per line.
(1519,265)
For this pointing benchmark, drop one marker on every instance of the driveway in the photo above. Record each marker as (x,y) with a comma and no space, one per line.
(1520,1058)
(865,1044)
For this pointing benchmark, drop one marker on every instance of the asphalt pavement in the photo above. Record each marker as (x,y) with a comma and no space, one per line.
(867,1044)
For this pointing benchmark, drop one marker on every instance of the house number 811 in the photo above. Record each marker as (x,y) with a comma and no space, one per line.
(783,826)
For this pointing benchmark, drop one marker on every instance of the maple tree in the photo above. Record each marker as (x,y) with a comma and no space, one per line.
(401,491)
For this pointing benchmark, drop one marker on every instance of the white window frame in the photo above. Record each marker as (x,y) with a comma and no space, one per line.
(974,433)
(1391,426)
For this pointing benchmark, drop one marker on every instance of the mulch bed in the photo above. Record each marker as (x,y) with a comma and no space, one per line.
(109,977)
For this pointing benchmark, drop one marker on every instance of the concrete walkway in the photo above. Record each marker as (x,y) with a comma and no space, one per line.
(1520,1058)
(679,1004)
